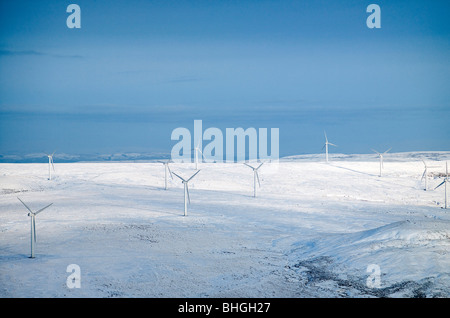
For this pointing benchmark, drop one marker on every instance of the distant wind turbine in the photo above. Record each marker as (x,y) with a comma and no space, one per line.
(326,146)
(50,165)
(444,183)
(255,177)
(186,190)
(197,150)
(425,174)
(166,168)
(33,224)
(381,158)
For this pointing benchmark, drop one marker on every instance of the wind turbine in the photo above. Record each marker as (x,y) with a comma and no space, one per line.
(326,145)
(50,165)
(381,158)
(425,174)
(186,190)
(197,150)
(444,183)
(33,224)
(255,177)
(166,167)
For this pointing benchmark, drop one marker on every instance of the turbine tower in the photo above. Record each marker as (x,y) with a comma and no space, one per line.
(33,224)
(197,150)
(381,158)
(445,184)
(50,165)
(326,146)
(255,177)
(425,174)
(166,168)
(186,190)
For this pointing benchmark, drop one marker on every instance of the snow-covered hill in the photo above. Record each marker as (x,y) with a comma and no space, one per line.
(313,230)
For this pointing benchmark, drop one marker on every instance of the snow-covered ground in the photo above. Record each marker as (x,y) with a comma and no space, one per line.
(312,231)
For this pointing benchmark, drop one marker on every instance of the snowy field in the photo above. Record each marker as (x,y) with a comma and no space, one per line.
(312,231)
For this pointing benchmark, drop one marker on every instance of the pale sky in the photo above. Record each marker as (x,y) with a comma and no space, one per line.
(136,70)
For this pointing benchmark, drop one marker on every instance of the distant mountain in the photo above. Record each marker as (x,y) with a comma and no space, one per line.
(395,156)
(62,157)
(136,157)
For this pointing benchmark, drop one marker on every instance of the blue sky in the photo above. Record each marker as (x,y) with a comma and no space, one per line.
(136,70)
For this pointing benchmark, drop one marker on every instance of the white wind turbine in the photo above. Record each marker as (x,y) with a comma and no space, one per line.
(255,177)
(381,158)
(166,168)
(50,165)
(444,183)
(425,174)
(326,145)
(186,190)
(197,150)
(33,224)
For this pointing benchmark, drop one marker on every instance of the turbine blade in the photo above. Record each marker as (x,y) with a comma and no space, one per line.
(375,151)
(423,175)
(42,209)
(202,155)
(332,144)
(192,176)
(178,176)
(25,205)
(324,146)
(424,163)
(387,150)
(187,191)
(440,184)
(325,136)
(260,165)
(52,164)
(248,165)
(257,177)
(170,172)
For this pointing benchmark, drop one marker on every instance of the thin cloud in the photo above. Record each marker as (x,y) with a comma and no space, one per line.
(36,53)
(18,53)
